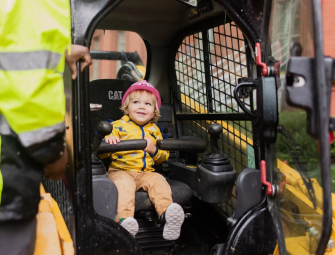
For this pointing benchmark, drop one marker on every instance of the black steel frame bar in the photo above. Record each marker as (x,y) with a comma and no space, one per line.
(213,116)
(323,124)
(111,55)
(207,70)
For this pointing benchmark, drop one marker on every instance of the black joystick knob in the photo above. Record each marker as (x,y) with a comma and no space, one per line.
(104,128)
(214,132)
(216,161)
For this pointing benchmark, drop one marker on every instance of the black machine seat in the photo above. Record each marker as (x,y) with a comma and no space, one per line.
(181,194)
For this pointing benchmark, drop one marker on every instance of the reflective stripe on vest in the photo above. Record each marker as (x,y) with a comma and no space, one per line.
(15,61)
(34,36)
(4,126)
(32,137)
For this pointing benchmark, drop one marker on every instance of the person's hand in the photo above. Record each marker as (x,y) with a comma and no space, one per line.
(151,147)
(55,170)
(78,52)
(112,139)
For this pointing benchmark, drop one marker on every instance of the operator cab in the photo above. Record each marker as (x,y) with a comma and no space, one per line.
(219,120)
(194,56)
(199,170)
(211,181)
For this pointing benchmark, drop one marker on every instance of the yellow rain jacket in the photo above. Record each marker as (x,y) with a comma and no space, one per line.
(136,161)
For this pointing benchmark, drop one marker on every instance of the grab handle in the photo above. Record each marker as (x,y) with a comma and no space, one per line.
(239,102)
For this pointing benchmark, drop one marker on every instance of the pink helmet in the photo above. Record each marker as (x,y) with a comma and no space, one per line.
(144,85)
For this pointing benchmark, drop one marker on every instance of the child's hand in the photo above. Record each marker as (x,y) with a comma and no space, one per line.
(112,139)
(151,147)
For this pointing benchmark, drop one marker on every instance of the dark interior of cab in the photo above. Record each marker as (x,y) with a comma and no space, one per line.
(195,56)
(210,182)
(197,185)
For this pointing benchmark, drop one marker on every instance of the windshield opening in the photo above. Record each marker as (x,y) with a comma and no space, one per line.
(296,167)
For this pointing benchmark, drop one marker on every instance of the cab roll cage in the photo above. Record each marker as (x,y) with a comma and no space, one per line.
(86,16)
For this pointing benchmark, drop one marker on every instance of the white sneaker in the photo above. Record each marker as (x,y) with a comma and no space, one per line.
(130,224)
(174,218)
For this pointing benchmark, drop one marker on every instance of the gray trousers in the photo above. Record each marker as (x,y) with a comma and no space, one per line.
(18,237)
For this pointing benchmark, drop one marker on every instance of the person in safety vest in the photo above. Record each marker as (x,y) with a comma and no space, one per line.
(35,43)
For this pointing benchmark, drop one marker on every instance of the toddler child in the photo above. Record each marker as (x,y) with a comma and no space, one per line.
(132,170)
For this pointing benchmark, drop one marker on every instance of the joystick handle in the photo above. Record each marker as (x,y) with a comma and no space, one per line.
(104,128)
(216,161)
(214,132)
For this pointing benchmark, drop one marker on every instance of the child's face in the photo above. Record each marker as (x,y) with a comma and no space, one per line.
(141,108)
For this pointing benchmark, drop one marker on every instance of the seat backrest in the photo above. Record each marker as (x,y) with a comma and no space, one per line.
(109,93)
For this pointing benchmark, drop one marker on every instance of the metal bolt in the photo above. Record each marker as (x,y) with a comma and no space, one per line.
(331,244)
(188,216)
(70,210)
(313,232)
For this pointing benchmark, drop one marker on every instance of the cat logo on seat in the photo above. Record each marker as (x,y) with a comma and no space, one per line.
(115,95)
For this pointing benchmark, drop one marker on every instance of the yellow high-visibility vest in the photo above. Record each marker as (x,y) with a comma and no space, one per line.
(33,38)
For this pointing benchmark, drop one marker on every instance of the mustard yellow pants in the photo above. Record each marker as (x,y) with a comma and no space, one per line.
(128,183)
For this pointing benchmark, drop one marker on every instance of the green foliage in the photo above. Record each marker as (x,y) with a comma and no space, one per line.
(333,178)
(295,122)
(332,152)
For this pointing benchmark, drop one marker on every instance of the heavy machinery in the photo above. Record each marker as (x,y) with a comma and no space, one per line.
(240,82)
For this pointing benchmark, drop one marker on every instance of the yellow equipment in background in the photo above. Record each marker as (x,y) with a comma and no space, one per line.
(295,191)
(53,237)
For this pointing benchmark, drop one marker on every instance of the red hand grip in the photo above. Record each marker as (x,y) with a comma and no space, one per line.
(259,60)
(269,190)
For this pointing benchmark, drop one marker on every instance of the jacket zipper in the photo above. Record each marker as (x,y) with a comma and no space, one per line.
(145,153)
